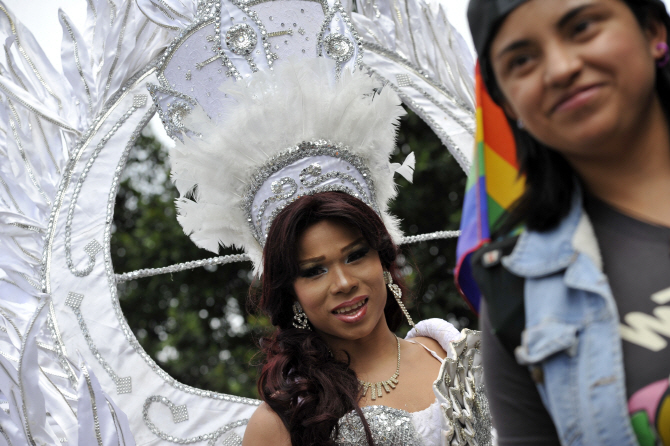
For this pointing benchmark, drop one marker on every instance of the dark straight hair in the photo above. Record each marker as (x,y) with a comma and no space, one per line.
(300,379)
(550,180)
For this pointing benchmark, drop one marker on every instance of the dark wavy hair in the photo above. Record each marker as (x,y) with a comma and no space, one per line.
(300,379)
(550,180)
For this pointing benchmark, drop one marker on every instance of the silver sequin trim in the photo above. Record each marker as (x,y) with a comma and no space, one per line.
(28,60)
(139,274)
(94,407)
(321,42)
(423,114)
(289,156)
(112,285)
(419,72)
(72,162)
(403,80)
(123,384)
(52,325)
(60,124)
(389,427)
(78,62)
(222,260)
(93,247)
(250,3)
(118,49)
(29,167)
(244,6)
(210,438)
(4,434)
(171,128)
(11,197)
(26,419)
(10,65)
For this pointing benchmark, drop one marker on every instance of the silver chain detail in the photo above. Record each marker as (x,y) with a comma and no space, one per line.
(222,260)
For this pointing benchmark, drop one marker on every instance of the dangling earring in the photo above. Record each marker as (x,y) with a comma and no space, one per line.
(520,124)
(395,289)
(299,317)
(666,54)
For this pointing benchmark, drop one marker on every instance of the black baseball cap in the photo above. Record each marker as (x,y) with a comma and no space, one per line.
(485,16)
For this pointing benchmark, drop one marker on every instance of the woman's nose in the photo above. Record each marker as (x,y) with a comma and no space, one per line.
(343,280)
(562,65)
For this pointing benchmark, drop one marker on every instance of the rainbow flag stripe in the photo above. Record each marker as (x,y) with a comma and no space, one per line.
(492,187)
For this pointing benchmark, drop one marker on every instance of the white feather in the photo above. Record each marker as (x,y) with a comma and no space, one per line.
(300,101)
(406,169)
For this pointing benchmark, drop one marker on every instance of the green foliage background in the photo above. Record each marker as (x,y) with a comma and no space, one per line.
(198,324)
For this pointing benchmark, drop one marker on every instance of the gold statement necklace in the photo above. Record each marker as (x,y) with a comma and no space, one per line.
(388,385)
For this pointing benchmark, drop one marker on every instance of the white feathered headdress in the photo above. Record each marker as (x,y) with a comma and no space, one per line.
(294,131)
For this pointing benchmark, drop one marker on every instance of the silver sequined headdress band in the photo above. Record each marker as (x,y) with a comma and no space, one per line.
(308,168)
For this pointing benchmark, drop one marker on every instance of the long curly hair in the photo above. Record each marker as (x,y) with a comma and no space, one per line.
(300,379)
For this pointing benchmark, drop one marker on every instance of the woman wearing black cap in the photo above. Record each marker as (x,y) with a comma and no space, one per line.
(585,358)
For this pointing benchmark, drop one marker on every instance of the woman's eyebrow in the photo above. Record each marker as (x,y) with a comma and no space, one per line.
(567,17)
(513,46)
(351,245)
(312,260)
(572,14)
(358,241)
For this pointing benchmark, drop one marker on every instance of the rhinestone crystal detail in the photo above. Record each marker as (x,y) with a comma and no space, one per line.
(177,111)
(389,427)
(338,47)
(285,189)
(241,39)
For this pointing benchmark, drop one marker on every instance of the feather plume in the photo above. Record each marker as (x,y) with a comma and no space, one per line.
(271,112)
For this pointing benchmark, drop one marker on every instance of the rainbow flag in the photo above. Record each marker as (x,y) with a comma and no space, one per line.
(493,186)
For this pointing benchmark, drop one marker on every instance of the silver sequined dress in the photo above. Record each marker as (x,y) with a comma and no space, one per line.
(460,414)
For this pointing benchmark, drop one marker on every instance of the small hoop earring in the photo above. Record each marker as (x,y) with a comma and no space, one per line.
(397,293)
(520,125)
(299,317)
(666,54)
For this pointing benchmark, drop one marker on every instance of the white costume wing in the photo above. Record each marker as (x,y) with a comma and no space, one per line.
(411,45)
(64,141)
(65,349)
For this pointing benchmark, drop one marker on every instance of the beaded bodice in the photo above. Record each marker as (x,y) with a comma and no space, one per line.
(460,414)
(389,427)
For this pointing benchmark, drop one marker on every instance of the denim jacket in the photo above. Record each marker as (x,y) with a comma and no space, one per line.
(571,342)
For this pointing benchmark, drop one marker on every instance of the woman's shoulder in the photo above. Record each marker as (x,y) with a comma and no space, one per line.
(265,427)
(434,333)
(431,344)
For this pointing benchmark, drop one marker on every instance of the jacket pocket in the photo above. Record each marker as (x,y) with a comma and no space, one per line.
(545,340)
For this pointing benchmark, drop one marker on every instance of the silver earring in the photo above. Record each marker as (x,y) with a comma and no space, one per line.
(395,289)
(299,317)
(520,124)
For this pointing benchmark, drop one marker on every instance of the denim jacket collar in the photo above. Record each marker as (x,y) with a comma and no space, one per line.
(539,254)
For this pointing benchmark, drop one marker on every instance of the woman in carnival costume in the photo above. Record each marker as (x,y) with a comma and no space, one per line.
(285,119)
(583,359)
(312,194)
